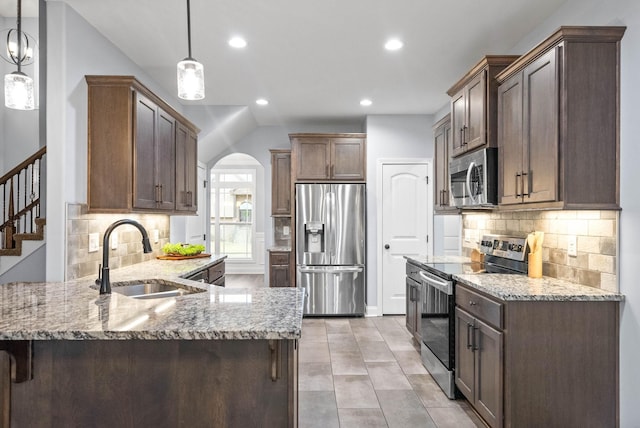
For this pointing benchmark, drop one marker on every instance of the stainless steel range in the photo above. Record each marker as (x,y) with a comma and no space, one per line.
(502,254)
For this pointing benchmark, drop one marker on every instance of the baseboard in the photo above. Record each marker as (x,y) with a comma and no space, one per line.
(372,311)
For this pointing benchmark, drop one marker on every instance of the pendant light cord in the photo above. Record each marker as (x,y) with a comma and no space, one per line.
(19,55)
(188,26)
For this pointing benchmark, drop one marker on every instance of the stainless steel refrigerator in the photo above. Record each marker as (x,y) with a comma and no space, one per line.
(330,247)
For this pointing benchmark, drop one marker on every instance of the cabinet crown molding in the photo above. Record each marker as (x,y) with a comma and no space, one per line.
(486,61)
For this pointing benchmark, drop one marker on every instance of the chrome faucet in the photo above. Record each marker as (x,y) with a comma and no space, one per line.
(103,273)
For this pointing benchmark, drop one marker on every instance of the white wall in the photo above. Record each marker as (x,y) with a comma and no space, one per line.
(390,136)
(20,129)
(75,49)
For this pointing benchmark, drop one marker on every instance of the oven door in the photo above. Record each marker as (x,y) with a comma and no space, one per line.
(437,318)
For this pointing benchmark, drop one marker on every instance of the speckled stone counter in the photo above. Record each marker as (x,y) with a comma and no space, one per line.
(523,288)
(75,311)
(283,249)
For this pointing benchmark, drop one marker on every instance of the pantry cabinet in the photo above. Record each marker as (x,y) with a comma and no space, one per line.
(558,130)
(186,169)
(280,183)
(474,105)
(133,165)
(328,157)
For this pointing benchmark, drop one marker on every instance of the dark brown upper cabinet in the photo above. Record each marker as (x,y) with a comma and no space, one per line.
(136,151)
(558,122)
(329,157)
(280,183)
(474,105)
(442,149)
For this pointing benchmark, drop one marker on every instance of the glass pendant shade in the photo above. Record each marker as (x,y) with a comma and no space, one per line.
(18,91)
(190,79)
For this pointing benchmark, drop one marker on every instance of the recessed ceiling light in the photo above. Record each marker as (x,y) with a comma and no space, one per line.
(366,102)
(262,102)
(393,45)
(237,42)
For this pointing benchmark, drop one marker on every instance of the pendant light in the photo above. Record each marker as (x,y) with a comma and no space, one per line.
(18,87)
(190,71)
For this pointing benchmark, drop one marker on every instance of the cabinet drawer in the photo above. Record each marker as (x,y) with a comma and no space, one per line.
(279,258)
(216,272)
(480,306)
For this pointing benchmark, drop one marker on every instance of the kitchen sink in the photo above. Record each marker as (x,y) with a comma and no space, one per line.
(152,289)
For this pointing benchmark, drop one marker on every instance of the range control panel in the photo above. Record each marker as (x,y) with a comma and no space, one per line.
(509,247)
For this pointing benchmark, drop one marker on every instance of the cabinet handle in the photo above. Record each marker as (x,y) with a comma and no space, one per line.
(475,346)
(189,198)
(332,170)
(160,200)
(157,195)
(528,193)
(274,355)
(517,183)
(326,170)
(469,333)
(462,136)
(446,198)
(472,303)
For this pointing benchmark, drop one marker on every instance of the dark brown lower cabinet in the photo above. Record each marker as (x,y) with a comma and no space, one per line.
(413,310)
(156,383)
(530,363)
(279,269)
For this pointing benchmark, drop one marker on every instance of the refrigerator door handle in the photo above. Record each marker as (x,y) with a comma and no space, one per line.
(336,270)
(331,219)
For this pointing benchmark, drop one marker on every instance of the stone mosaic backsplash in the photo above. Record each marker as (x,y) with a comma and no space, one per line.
(80,262)
(596,262)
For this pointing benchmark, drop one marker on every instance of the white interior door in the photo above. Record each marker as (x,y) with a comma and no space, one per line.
(406,216)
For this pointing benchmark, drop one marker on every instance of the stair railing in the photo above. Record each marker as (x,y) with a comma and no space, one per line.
(20,191)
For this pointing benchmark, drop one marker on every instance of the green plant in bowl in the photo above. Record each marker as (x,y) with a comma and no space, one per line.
(181,249)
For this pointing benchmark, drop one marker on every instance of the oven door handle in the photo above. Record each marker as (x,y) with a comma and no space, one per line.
(442,285)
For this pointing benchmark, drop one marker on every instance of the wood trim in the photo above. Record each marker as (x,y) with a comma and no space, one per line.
(486,61)
(31,159)
(565,33)
(443,121)
(321,135)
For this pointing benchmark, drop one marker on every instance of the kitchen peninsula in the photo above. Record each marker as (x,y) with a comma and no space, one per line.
(214,357)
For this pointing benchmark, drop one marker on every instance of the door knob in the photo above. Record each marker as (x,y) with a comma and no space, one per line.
(386,246)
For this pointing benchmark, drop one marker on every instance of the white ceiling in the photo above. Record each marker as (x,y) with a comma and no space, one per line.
(316,59)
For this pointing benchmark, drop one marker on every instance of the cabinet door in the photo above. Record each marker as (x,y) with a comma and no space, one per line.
(474,133)
(348,159)
(144,170)
(488,381)
(280,184)
(186,169)
(465,358)
(458,118)
(312,158)
(442,144)
(510,143)
(166,160)
(279,276)
(540,81)
(411,316)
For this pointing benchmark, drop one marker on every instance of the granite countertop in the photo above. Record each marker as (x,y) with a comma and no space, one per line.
(280,248)
(74,310)
(522,288)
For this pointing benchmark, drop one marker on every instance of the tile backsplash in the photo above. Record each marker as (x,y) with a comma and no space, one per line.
(596,231)
(80,262)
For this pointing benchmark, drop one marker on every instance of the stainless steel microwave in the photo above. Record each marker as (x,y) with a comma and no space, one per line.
(473,179)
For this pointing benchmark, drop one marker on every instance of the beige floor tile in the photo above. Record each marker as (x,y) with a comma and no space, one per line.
(342,342)
(338,325)
(375,352)
(348,363)
(429,392)
(366,334)
(387,375)
(453,417)
(362,322)
(355,392)
(410,362)
(362,418)
(314,352)
(315,377)
(317,409)
(403,409)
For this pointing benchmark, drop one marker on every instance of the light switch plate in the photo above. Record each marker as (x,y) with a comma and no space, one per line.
(285,230)
(467,235)
(94,244)
(156,235)
(114,241)
(572,246)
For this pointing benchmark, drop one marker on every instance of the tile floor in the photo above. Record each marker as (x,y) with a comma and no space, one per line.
(366,372)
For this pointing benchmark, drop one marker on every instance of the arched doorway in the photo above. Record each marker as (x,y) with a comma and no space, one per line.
(237,212)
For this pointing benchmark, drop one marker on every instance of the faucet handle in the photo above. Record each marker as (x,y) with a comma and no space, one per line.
(99,280)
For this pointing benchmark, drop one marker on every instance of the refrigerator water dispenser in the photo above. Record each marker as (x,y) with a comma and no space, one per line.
(314,237)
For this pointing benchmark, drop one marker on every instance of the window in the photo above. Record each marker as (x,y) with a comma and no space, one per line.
(232,217)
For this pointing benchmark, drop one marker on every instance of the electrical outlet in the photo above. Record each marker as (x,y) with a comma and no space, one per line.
(285,231)
(114,241)
(156,235)
(94,244)
(467,235)
(572,246)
